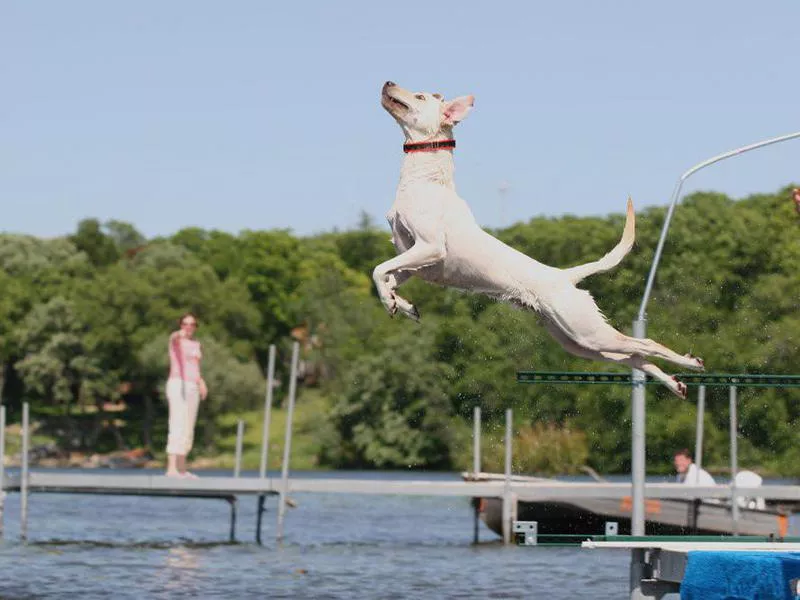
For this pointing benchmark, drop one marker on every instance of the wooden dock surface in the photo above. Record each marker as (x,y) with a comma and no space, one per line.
(144,484)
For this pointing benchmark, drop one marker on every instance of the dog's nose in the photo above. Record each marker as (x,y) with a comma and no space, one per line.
(389,84)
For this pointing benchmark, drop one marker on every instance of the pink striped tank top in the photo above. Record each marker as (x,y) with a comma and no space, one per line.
(184,359)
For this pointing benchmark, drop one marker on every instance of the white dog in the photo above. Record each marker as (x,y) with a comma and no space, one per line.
(438,239)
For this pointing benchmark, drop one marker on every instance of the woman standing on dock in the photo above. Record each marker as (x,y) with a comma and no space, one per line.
(185,389)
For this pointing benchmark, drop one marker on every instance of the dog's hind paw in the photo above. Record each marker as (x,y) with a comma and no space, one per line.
(680,389)
(696,362)
(390,305)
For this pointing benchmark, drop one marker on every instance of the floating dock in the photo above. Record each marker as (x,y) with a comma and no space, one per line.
(508,488)
(230,488)
(710,568)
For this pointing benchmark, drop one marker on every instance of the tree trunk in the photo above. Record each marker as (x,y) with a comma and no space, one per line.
(2,379)
(147,425)
(121,445)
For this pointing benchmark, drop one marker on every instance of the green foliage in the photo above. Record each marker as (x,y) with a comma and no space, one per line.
(91,240)
(542,448)
(124,236)
(365,247)
(85,318)
(57,367)
(394,409)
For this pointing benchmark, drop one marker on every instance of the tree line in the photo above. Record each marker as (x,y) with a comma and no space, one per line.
(84,320)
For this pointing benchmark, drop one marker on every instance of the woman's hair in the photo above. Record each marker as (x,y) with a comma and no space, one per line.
(188,314)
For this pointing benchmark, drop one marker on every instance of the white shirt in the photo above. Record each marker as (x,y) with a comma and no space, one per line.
(695,476)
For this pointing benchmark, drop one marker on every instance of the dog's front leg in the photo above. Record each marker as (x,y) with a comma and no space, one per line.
(386,275)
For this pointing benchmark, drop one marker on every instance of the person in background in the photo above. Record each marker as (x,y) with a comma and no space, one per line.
(688,472)
(796,198)
(185,389)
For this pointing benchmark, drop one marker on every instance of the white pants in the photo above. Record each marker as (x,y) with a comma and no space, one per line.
(183,397)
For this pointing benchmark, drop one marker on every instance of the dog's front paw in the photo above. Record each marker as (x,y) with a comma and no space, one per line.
(390,304)
(407,308)
(412,313)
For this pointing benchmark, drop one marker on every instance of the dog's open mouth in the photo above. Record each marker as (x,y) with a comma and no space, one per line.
(398,102)
(391,100)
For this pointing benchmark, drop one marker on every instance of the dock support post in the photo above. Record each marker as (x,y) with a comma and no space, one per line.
(233,502)
(734,460)
(507,487)
(287,444)
(701,410)
(476,441)
(638,427)
(260,510)
(476,466)
(637,574)
(23,521)
(477,512)
(237,467)
(698,452)
(2,467)
(262,471)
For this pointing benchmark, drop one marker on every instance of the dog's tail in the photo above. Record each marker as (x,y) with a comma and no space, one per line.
(613,258)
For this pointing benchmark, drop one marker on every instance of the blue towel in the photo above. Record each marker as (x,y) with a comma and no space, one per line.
(713,575)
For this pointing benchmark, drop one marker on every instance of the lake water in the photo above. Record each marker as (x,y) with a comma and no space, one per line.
(335,546)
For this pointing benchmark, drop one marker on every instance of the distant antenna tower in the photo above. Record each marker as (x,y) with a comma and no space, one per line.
(502,193)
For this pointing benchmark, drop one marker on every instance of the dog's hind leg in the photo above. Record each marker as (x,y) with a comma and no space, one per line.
(619,342)
(634,361)
(576,314)
(671,382)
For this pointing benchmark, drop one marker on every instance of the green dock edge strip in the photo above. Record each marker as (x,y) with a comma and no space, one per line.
(691,379)
(572,539)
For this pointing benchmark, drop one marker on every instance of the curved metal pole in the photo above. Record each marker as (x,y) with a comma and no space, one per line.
(639,330)
(676,196)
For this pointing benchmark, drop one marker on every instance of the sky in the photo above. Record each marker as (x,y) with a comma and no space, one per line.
(262,115)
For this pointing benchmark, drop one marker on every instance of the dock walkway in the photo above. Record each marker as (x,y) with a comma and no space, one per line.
(231,487)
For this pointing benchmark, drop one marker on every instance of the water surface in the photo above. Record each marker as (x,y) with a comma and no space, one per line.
(335,546)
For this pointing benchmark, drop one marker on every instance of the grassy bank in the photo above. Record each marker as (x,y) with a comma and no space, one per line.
(308,420)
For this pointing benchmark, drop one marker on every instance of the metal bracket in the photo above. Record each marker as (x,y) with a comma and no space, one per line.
(612,528)
(528,531)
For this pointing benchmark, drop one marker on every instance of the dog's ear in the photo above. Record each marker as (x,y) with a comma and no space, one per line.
(457,110)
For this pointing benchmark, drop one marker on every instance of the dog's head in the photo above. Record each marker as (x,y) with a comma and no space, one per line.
(423,116)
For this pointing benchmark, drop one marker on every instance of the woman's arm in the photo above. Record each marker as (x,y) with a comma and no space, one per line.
(201,383)
(175,351)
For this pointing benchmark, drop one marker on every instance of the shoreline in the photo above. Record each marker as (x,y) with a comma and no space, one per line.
(133,459)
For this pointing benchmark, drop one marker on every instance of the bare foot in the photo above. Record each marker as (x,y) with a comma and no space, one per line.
(172,474)
(188,475)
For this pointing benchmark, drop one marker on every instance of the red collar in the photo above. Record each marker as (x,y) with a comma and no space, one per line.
(429,146)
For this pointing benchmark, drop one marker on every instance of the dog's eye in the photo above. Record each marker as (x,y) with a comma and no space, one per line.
(420,96)
(437,96)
